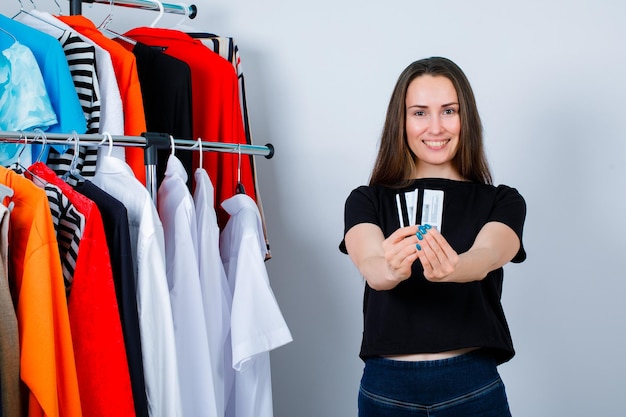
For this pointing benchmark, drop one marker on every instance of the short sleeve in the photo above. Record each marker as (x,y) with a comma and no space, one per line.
(360,207)
(510,209)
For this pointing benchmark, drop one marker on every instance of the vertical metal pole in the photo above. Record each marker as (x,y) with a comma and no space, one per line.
(154,141)
(76,7)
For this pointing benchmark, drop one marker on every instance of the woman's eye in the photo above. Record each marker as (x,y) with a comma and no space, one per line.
(449,112)
(420,113)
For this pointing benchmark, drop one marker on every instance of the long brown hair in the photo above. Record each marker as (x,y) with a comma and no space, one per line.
(395,161)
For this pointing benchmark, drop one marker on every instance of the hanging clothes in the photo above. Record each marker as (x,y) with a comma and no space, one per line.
(24,99)
(47,363)
(111,114)
(216,108)
(125,66)
(166,90)
(99,348)
(9,338)
(55,70)
(177,213)
(227,48)
(81,58)
(69,224)
(257,325)
(115,177)
(115,221)
(216,296)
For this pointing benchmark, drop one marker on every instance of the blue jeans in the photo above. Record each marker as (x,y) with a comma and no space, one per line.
(464,386)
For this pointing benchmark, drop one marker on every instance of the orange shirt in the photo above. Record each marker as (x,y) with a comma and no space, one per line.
(47,364)
(125,68)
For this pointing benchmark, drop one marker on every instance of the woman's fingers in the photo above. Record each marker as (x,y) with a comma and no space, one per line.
(436,255)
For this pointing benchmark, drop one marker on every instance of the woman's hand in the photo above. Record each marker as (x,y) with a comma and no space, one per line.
(384,263)
(438,258)
(495,245)
(400,252)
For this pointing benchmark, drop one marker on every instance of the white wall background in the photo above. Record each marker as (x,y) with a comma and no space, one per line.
(549,77)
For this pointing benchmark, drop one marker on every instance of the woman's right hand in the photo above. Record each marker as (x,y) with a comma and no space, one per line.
(400,252)
(383,262)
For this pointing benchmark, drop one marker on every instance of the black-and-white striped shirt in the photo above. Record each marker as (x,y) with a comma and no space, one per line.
(81,58)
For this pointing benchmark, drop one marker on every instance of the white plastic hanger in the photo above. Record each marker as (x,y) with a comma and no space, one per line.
(73,171)
(201,152)
(108,138)
(40,135)
(161,12)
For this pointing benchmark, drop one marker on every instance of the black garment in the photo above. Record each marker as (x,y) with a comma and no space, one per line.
(419,316)
(115,220)
(166,90)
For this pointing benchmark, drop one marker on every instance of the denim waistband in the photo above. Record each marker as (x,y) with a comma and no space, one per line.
(429,381)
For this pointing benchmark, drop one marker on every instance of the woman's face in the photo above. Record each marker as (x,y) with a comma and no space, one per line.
(433,125)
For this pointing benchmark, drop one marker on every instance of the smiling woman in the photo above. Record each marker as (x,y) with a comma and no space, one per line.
(434,328)
(433,126)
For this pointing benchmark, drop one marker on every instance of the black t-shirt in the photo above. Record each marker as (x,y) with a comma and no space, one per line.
(419,316)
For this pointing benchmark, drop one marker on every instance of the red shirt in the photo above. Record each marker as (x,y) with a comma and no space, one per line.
(101,365)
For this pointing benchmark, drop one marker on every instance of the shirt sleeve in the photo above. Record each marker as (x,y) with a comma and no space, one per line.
(510,209)
(360,207)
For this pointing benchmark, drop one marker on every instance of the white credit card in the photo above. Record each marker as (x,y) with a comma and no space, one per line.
(432,208)
(408,200)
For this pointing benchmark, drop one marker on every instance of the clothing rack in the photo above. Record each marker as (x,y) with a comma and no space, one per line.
(177,8)
(150,141)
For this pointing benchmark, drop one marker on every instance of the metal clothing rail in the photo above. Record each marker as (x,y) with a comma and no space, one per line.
(150,141)
(177,8)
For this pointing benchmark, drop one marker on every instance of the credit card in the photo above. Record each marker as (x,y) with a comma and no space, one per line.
(432,208)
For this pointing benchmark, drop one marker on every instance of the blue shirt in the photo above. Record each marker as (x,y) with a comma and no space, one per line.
(53,65)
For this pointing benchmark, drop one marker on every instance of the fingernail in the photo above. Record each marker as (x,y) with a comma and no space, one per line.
(419,236)
(422,229)
(417,245)
(427,226)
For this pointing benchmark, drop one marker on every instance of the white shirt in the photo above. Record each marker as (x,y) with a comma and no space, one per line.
(176,209)
(257,325)
(153,302)
(216,296)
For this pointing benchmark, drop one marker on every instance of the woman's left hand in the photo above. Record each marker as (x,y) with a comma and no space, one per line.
(436,255)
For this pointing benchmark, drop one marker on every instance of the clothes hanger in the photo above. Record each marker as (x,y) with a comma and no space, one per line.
(17,166)
(240,189)
(24,11)
(109,17)
(21,10)
(109,139)
(180,24)
(161,12)
(172,146)
(73,170)
(103,27)
(201,152)
(59,6)
(3,30)
(40,135)
(6,192)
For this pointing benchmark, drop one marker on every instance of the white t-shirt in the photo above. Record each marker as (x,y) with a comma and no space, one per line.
(257,324)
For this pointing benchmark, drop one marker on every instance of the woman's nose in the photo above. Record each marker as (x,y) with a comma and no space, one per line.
(435,126)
